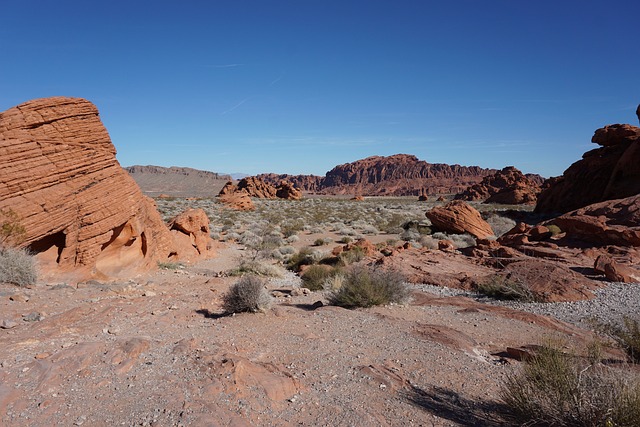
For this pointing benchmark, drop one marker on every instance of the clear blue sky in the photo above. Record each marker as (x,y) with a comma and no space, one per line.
(300,86)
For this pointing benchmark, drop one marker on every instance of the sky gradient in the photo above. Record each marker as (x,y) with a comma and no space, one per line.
(301,86)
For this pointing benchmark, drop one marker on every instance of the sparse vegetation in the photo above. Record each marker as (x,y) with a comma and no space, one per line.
(306,256)
(17,266)
(12,232)
(257,268)
(315,276)
(554,229)
(500,287)
(170,265)
(366,287)
(353,255)
(562,389)
(247,295)
(627,336)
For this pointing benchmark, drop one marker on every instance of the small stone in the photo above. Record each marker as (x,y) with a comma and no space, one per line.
(33,317)
(149,294)
(8,324)
(19,298)
(42,356)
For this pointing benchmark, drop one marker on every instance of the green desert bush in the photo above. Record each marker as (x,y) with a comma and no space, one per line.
(315,276)
(17,266)
(503,288)
(306,256)
(554,229)
(247,295)
(353,255)
(12,232)
(366,287)
(554,388)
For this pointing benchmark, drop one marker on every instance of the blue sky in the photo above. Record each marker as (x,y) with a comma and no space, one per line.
(300,86)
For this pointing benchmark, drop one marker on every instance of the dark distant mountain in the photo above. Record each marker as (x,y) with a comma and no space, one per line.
(177,181)
(397,175)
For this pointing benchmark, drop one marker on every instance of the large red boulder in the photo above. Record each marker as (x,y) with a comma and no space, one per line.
(459,217)
(81,211)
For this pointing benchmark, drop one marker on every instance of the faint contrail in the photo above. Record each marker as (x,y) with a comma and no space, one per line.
(235,106)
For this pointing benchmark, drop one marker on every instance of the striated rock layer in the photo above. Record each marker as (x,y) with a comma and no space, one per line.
(397,175)
(81,211)
(609,172)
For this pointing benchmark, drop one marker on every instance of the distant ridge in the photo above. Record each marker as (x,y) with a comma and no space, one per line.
(177,181)
(397,175)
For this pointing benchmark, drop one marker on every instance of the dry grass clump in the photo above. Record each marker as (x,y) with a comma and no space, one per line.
(257,268)
(315,277)
(502,288)
(500,224)
(353,255)
(366,287)
(17,266)
(559,389)
(627,337)
(247,295)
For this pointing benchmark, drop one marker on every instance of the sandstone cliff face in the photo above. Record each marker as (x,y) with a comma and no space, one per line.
(606,173)
(507,186)
(82,212)
(397,175)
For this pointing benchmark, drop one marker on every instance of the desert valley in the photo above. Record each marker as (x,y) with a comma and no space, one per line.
(389,292)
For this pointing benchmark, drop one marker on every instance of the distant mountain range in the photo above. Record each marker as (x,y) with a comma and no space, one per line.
(397,175)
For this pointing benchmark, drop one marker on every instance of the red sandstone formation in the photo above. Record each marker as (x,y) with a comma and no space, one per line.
(239,201)
(508,186)
(606,173)
(228,188)
(80,209)
(398,175)
(613,222)
(255,187)
(287,191)
(191,232)
(459,217)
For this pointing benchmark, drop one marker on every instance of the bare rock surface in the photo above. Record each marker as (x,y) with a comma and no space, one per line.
(508,186)
(459,217)
(609,172)
(160,351)
(83,214)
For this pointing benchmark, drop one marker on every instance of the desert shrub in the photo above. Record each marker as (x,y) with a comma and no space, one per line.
(322,241)
(554,229)
(500,224)
(366,287)
(12,232)
(353,255)
(306,256)
(627,337)
(410,235)
(287,250)
(292,227)
(315,276)
(292,239)
(559,389)
(458,240)
(170,265)
(257,268)
(345,239)
(248,294)
(502,288)
(17,266)
(429,242)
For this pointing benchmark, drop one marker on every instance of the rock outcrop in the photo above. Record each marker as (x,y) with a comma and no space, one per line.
(288,191)
(508,186)
(613,222)
(606,173)
(83,215)
(80,209)
(397,175)
(191,233)
(255,187)
(239,201)
(459,217)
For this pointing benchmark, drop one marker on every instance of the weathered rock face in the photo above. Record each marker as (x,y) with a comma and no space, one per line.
(239,201)
(459,217)
(287,191)
(508,186)
(80,209)
(606,173)
(228,188)
(398,175)
(613,222)
(255,187)
(191,233)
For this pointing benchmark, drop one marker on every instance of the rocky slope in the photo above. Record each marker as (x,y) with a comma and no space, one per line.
(609,172)
(397,175)
(177,181)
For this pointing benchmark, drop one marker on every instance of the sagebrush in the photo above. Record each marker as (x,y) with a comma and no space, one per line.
(247,295)
(366,287)
(17,266)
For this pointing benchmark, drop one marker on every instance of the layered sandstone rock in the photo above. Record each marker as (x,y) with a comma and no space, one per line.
(508,186)
(80,209)
(239,201)
(255,187)
(606,173)
(191,233)
(459,217)
(288,191)
(613,222)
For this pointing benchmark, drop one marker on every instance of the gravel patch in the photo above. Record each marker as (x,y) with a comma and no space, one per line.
(610,305)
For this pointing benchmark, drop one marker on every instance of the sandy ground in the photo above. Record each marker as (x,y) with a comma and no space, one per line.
(157,350)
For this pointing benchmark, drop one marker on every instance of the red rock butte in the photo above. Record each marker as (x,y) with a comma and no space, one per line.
(81,211)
